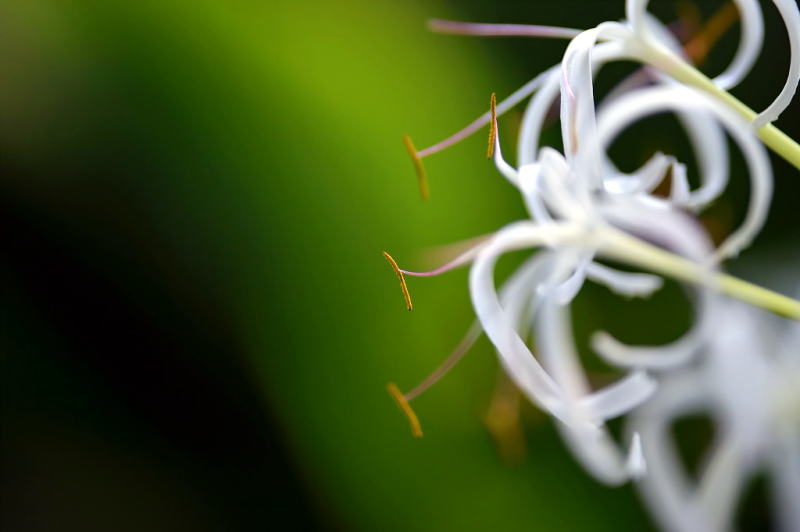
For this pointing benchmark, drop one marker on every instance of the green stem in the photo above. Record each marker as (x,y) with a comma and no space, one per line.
(777,140)
(621,246)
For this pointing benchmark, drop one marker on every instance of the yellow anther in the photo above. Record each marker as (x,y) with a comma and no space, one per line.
(418,167)
(402,278)
(402,403)
(492,126)
(698,47)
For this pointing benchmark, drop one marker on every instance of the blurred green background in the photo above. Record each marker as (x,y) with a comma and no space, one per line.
(197,322)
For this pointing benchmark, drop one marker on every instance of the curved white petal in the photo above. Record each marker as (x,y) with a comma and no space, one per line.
(681,234)
(666,488)
(569,288)
(751,37)
(705,134)
(500,163)
(516,358)
(530,184)
(791,18)
(578,124)
(590,442)
(645,179)
(624,283)
(750,40)
(653,100)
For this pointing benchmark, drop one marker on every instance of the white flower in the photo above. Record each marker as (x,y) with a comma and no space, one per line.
(749,385)
(583,208)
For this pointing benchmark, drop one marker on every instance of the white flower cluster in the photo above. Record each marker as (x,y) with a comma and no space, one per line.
(730,364)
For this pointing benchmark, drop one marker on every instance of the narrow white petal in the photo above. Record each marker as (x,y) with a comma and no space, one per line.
(785,466)
(622,397)
(635,464)
(721,483)
(508,171)
(515,356)
(666,488)
(645,179)
(589,441)
(791,18)
(681,234)
(679,195)
(751,37)
(653,100)
(624,283)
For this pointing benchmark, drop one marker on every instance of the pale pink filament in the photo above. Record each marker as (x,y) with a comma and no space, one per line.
(458,353)
(500,30)
(458,137)
(464,258)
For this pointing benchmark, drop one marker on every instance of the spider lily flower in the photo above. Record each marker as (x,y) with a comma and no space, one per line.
(748,384)
(562,391)
(583,142)
(567,198)
(583,208)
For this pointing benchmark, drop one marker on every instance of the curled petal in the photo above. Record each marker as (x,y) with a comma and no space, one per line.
(653,100)
(514,355)
(500,163)
(679,195)
(569,288)
(645,179)
(621,397)
(750,40)
(587,438)
(624,283)
(666,487)
(530,184)
(578,126)
(677,232)
(791,18)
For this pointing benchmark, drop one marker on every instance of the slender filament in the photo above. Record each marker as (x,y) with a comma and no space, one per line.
(402,403)
(418,168)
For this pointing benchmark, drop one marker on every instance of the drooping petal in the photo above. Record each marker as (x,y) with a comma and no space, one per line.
(516,358)
(589,441)
(666,488)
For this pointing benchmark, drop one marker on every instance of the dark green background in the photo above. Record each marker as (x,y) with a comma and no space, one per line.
(197,324)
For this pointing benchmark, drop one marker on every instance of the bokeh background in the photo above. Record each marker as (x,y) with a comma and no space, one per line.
(197,323)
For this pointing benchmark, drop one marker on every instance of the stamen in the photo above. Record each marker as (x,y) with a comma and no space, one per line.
(458,353)
(512,100)
(492,126)
(402,403)
(689,18)
(399,274)
(698,47)
(462,259)
(452,27)
(503,420)
(418,167)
